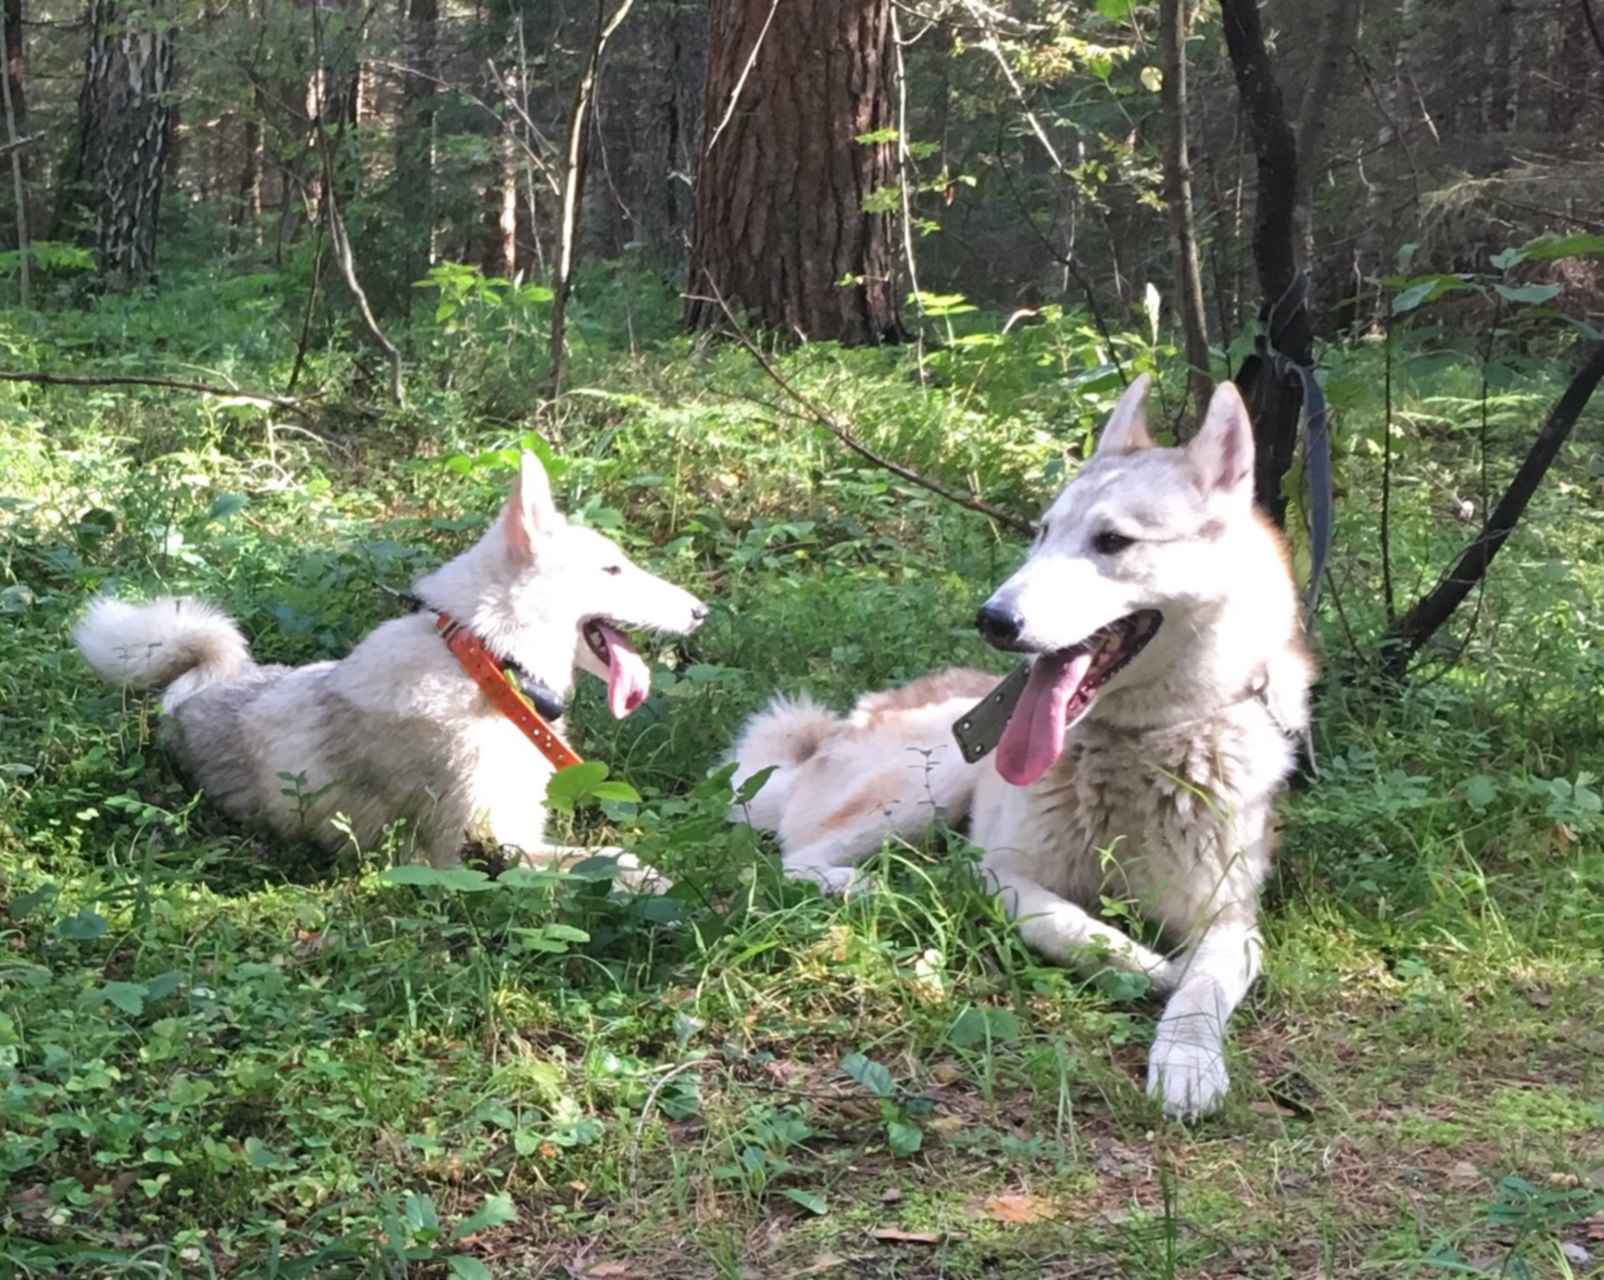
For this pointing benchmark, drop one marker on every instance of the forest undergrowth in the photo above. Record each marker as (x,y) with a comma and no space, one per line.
(222,1055)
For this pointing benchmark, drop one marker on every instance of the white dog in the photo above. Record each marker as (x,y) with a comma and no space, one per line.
(1144,746)
(400,728)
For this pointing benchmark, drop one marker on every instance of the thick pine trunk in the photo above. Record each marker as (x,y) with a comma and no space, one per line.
(781,230)
(125,118)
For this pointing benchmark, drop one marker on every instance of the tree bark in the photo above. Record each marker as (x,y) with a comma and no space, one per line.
(1406,636)
(1274,400)
(414,149)
(574,171)
(1339,26)
(16,106)
(125,117)
(1178,200)
(781,225)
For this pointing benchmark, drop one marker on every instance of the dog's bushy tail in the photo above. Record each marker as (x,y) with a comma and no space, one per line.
(785,734)
(174,643)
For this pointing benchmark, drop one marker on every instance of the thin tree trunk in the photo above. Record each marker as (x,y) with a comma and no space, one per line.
(1275,399)
(793,214)
(1339,25)
(16,112)
(498,244)
(578,154)
(1178,200)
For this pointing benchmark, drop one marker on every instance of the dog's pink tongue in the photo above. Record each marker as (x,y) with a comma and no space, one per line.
(628,681)
(1035,732)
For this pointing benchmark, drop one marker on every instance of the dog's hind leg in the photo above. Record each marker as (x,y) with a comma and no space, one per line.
(1067,934)
(1186,1069)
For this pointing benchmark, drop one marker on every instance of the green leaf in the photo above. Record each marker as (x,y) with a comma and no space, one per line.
(869,1073)
(465,1268)
(497,1210)
(1526,292)
(615,791)
(809,1200)
(1116,10)
(227,504)
(571,785)
(904,1138)
(753,784)
(127,996)
(459,879)
(420,1213)
(82,926)
(978,1024)
(879,136)
(1548,248)
(1480,790)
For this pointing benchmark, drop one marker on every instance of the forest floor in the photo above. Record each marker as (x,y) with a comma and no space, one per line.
(223,1056)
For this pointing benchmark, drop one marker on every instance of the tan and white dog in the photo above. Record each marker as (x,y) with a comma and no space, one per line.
(1144,746)
(399,729)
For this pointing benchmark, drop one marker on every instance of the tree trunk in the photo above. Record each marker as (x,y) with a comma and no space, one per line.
(415,141)
(1273,398)
(1500,117)
(782,230)
(125,119)
(1178,200)
(1339,25)
(16,104)
(498,243)
(247,219)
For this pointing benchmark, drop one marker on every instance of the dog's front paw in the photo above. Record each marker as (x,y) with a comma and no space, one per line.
(1186,1072)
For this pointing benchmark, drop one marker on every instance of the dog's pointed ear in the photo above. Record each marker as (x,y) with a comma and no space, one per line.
(1126,431)
(530,511)
(1222,450)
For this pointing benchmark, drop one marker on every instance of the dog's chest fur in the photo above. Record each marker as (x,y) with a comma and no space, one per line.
(1176,819)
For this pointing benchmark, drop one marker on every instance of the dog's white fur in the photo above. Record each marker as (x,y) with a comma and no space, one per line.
(1162,794)
(396,729)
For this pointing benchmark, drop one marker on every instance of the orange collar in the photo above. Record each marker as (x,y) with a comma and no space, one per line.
(488,673)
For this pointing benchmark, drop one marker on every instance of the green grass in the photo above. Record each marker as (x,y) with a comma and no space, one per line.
(223,1056)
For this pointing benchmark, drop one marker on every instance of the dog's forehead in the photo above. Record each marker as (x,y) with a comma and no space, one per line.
(1154,488)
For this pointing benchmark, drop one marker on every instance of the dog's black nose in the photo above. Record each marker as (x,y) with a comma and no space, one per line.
(999,624)
(698,613)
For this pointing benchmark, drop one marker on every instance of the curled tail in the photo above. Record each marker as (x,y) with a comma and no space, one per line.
(785,734)
(174,643)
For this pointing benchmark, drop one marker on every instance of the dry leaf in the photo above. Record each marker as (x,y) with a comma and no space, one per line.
(1265,1107)
(1018,1208)
(610,1271)
(822,1262)
(896,1235)
(945,1126)
(891,1195)
(1463,1173)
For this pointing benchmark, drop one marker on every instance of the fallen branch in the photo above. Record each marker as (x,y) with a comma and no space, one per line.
(172,384)
(1405,638)
(818,414)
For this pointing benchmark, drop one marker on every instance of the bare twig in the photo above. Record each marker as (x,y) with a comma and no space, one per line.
(823,417)
(172,384)
(746,71)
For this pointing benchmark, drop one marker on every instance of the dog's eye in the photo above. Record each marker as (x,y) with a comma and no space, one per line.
(1109,543)
(613,570)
